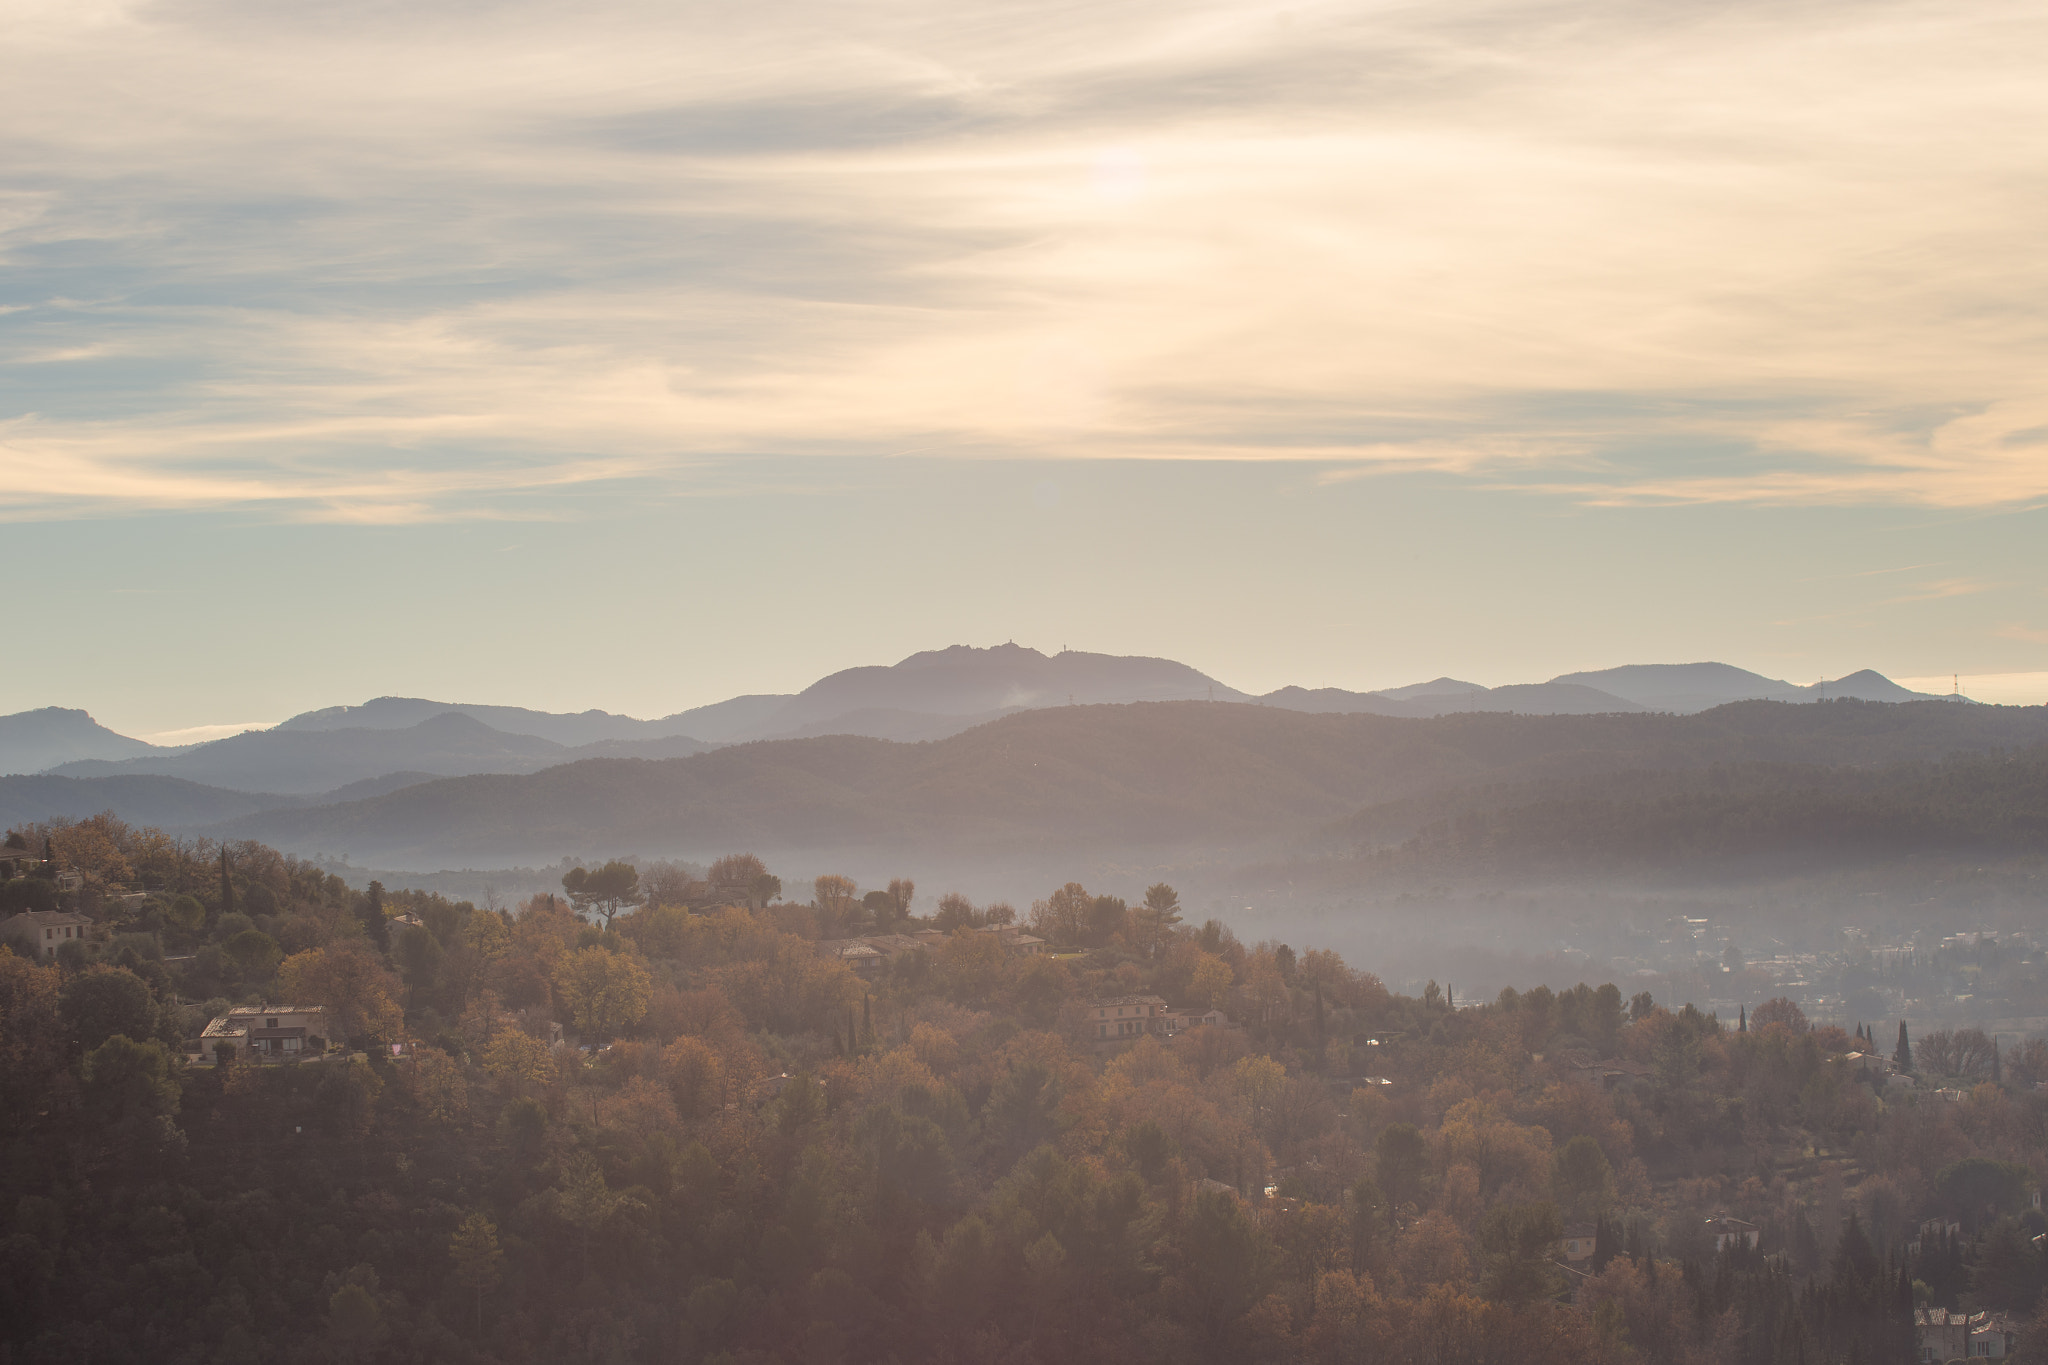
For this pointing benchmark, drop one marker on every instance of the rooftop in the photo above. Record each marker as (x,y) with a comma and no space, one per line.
(47,919)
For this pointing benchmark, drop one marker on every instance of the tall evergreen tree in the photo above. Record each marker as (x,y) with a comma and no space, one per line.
(375,926)
(1742,1020)
(1903,1053)
(227,885)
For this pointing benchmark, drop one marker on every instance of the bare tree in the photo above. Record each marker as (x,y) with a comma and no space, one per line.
(833,898)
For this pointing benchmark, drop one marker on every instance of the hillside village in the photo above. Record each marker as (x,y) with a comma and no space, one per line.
(700,1117)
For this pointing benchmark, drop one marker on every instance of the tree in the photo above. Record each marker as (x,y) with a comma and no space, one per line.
(30,893)
(518,1057)
(1977,1188)
(376,926)
(186,914)
(355,1322)
(101,1002)
(353,983)
(1400,1154)
(902,891)
(475,1251)
(227,884)
(1903,1053)
(955,912)
(2027,1063)
(419,958)
(606,889)
(1583,1171)
(606,992)
(833,896)
(32,1036)
(1516,1242)
(131,1093)
(1062,917)
(1937,1053)
(253,953)
(1152,921)
(1779,1011)
(734,878)
(1209,986)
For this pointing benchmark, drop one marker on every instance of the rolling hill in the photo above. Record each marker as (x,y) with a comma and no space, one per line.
(1095,777)
(31,741)
(140,799)
(307,762)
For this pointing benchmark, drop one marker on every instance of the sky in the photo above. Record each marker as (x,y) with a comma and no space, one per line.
(636,355)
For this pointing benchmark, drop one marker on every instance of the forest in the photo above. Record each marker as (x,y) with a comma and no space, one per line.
(659,1117)
(1754,816)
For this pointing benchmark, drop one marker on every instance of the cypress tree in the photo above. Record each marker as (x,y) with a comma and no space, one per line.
(1742,1021)
(227,886)
(1903,1053)
(375,927)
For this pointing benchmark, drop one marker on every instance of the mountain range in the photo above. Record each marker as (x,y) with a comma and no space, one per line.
(356,755)
(1149,775)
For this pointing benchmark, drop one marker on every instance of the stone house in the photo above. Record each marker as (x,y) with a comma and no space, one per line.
(39,933)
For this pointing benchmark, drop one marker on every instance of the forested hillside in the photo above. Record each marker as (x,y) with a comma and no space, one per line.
(1757,815)
(1098,777)
(742,1151)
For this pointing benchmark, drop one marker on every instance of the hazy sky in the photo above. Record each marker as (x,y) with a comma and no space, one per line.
(634,355)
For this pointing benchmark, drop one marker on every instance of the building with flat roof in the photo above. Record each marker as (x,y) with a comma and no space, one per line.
(268,1032)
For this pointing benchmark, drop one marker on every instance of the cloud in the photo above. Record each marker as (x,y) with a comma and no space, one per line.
(1940,590)
(2029,634)
(200,734)
(391,262)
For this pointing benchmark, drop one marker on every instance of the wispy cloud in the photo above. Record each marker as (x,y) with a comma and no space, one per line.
(1941,589)
(200,734)
(400,262)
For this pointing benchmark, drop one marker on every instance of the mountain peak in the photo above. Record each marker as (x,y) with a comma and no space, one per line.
(31,741)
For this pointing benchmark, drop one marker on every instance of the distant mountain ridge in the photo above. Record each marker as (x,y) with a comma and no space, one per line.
(31,741)
(926,697)
(568,729)
(1685,688)
(1129,776)
(306,762)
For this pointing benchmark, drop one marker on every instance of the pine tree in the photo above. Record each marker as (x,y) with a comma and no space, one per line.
(1903,1053)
